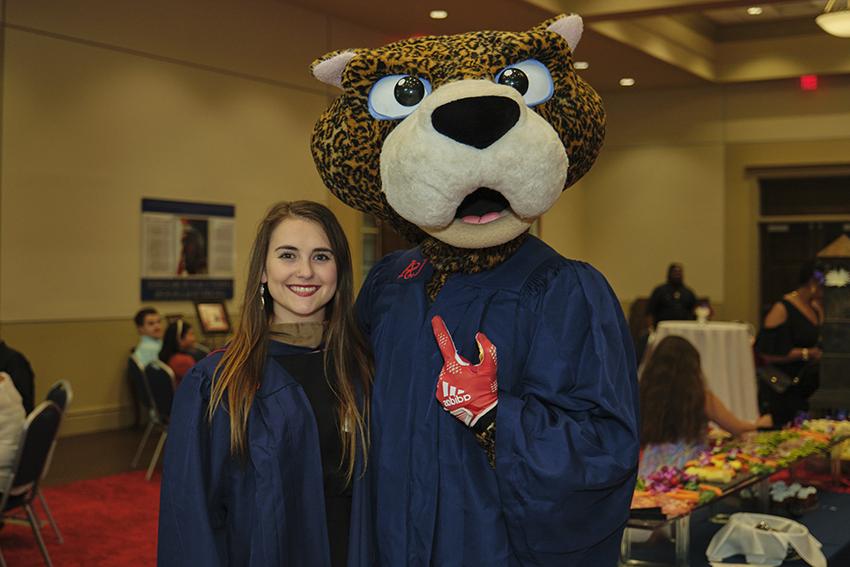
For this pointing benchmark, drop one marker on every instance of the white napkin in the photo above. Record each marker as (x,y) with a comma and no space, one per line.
(762,546)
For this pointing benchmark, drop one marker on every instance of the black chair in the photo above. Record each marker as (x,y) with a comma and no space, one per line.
(139,386)
(160,381)
(60,394)
(36,442)
(136,377)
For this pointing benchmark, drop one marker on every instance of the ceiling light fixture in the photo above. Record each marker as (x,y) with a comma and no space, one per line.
(439,14)
(581,65)
(755,10)
(627,82)
(835,21)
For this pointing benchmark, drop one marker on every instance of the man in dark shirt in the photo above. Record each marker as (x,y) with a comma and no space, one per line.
(672,301)
(18,367)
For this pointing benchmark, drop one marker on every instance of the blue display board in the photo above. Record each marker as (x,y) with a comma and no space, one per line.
(188,250)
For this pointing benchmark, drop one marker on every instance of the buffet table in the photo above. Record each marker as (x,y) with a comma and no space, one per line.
(827,523)
(727,360)
(670,500)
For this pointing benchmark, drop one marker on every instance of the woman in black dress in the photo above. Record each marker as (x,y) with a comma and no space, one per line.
(789,342)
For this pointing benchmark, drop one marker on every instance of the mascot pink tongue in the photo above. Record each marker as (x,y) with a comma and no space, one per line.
(483,219)
(504,404)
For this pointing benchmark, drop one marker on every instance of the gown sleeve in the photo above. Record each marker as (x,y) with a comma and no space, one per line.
(567,439)
(192,512)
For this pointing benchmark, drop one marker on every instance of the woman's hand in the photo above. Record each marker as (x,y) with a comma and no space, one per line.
(764,421)
(812,354)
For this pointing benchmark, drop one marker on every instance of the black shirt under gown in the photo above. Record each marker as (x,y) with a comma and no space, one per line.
(308,369)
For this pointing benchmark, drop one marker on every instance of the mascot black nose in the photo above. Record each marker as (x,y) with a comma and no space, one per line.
(477,121)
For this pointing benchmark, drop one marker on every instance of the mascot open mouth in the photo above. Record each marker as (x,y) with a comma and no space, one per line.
(482,206)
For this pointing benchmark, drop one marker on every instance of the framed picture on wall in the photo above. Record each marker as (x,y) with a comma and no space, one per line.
(213,318)
(187,250)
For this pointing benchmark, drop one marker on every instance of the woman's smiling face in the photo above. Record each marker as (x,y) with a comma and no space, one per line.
(300,271)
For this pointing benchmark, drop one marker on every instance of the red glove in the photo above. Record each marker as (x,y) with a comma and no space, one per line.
(464,390)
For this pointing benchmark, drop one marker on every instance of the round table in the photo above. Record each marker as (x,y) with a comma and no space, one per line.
(727,360)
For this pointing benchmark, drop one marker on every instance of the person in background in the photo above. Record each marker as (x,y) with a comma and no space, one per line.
(673,300)
(18,368)
(177,346)
(12,417)
(149,325)
(263,434)
(789,342)
(676,406)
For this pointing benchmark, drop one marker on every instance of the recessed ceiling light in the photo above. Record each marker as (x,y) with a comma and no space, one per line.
(581,65)
(439,14)
(755,10)
(627,82)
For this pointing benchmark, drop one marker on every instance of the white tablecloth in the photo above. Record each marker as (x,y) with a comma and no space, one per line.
(727,360)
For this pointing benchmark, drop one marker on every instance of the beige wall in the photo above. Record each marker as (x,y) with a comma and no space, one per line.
(659,174)
(109,101)
(676,181)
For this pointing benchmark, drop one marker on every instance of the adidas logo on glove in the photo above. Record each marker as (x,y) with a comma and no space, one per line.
(453,396)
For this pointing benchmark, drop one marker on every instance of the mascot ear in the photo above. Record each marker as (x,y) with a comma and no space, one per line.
(569,28)
(329,68)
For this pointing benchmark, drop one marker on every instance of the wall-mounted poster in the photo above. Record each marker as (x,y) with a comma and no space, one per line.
(187,250)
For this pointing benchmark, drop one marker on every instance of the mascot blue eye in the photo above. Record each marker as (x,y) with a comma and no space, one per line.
(396,96)
(531,78)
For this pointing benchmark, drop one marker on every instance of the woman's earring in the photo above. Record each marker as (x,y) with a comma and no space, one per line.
(263,295)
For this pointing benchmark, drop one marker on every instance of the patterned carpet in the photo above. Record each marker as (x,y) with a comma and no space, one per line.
(106,522)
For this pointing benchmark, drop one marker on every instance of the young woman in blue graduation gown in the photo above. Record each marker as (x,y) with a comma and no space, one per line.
(263,434)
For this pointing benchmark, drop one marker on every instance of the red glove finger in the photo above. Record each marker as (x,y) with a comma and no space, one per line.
(445,342)
(486,353)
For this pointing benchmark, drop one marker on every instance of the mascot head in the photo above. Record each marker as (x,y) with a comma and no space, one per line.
(466,138)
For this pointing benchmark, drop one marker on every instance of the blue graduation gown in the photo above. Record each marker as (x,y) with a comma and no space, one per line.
(267,512)
(567,435)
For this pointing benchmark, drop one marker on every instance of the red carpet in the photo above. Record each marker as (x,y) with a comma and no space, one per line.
(106,522)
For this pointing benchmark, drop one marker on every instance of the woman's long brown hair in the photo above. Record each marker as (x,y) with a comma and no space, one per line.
(672,394)
(240,370)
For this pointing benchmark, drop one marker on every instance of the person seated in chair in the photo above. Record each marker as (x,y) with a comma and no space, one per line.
(12,417)
(149,325)
(18,368)
(177,346)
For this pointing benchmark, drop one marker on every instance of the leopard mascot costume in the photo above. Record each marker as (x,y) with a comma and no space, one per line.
(528,456)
